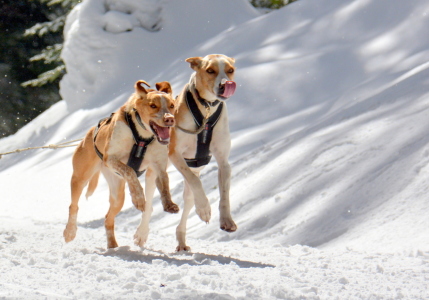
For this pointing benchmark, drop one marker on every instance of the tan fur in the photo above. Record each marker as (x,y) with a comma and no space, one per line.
(206,82)
(115,141)
(209,71)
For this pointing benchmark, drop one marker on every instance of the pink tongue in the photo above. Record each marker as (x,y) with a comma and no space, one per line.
(229,89)
(163,132)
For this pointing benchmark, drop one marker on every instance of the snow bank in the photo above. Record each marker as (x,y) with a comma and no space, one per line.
(330,156)
(321,167)
(112,44)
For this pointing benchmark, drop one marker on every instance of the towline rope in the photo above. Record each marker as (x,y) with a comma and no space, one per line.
(51,146)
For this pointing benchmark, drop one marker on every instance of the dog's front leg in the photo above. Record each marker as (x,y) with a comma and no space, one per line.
(136,190)
(163,185)
(221,153)
(224,178)
(202,205)
(142,232)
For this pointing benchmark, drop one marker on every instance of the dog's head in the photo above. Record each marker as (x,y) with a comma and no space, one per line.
(156,108)
(214,76)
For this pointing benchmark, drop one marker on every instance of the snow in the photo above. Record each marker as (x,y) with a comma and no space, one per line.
(330,156)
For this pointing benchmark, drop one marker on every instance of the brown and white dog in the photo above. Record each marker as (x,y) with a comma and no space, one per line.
(198,118)
(146,117)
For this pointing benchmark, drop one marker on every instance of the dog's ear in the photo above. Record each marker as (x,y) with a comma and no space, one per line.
(195,62)
(140,87)
(231,60)
(165,87)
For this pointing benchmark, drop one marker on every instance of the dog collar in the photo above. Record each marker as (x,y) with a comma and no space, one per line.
(206,103)
(139,120)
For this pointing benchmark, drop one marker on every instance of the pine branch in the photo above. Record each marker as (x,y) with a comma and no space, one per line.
(46,77)
(41,29)
(51,54)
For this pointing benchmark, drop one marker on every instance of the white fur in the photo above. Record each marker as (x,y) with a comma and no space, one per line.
(184,147)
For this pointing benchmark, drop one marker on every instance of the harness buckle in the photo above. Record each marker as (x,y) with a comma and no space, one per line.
(139,150)
(205,133)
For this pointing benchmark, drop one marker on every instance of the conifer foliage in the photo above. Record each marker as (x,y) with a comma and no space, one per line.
(270,4)
(51,54)
(30,65)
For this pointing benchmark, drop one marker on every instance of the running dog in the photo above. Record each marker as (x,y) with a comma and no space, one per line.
(201,130)
(132,140)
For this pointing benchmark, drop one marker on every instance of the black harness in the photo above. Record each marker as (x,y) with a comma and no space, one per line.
(202,155)
(139,148)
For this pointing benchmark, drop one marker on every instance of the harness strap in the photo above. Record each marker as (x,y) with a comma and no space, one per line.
(139,148)
(202,156)
(102,122)
(139,120)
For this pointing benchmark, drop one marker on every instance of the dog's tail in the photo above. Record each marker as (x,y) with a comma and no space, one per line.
(93,182)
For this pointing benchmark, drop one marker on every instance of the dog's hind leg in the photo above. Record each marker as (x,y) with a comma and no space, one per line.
(116,199)
(188,199)
(77,186)
(84,167)
(142,232)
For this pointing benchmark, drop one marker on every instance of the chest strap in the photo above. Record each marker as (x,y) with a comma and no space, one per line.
(139,148)
(202,155)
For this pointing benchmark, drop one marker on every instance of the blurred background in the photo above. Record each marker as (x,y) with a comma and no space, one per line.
(31,36)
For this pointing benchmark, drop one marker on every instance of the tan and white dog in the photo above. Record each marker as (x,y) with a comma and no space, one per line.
(139,129)
(201,130)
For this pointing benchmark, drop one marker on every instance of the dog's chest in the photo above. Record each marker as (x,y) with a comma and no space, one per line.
(120,142)
(155,154)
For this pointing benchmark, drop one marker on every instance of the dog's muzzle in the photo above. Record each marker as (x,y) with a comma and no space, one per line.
(227,88)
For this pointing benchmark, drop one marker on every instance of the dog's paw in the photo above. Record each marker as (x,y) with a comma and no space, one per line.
(140,237)
(69,233)
(183,248)
(171,208)
(204,213)
(228,225)
(112,244)
(139,203)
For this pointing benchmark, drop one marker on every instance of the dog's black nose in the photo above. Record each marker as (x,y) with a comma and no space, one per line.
(221,89)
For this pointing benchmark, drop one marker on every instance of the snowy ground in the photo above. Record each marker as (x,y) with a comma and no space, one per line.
(36,264)
(330,157)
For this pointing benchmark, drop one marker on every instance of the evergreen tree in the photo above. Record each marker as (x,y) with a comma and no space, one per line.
(271,4)
(24,56)
(51,55)
(19,105)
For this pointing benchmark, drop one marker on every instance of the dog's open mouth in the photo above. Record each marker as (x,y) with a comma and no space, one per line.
(162,133)
(227,88)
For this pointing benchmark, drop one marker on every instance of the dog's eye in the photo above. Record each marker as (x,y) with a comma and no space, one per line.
(231,71)
(210,71)
(153,106)
(172,106)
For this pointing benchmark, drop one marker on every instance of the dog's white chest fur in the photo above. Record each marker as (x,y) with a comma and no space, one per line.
(121,141)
